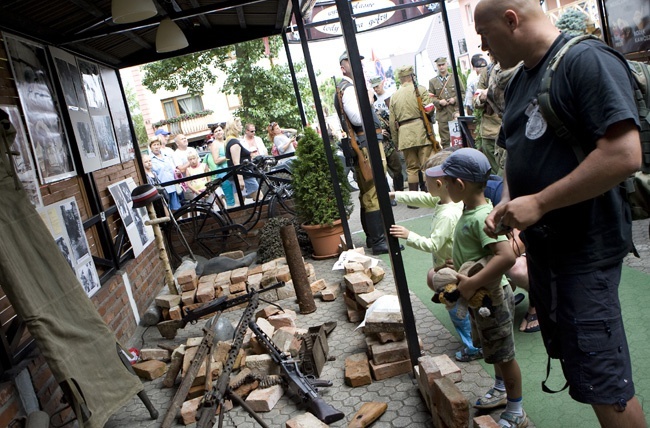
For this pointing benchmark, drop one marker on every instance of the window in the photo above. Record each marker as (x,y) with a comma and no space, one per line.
(468,12)
(181,105)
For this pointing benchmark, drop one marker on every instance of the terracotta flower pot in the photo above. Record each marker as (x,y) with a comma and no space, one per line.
(324,239)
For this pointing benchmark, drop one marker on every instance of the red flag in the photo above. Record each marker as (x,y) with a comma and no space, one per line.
(379,69)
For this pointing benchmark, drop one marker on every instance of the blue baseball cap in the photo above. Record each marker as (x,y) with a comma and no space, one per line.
(161,132)
(466,164)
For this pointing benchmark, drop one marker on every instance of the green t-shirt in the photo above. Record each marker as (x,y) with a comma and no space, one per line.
(470,241)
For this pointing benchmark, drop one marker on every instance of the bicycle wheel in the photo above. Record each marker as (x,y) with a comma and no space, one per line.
(203,230)
(281,203)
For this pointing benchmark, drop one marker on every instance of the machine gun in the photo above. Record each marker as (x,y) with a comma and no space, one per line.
(169,328)
(300,386)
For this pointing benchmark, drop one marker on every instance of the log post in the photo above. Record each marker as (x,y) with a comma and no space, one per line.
(297,269)
(162,251)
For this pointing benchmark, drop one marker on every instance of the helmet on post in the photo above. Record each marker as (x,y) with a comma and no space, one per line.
(144,195)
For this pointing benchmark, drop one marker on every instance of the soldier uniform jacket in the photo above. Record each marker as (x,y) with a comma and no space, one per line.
(436,85)
(403,108)
(494,79)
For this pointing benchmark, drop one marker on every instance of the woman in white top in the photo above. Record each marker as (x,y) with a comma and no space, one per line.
(281,141)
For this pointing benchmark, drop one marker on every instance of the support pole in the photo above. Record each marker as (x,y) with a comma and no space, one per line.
(294,80)
(348,27)
(297,269)
(162,251)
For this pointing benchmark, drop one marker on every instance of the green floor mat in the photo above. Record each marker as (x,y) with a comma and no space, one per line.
(548,410)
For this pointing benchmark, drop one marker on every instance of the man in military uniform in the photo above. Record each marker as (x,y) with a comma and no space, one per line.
(443,91)
(370,215)
(393,160)
(407,126)
(490,97)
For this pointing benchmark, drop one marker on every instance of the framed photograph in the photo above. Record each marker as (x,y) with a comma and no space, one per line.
(64,223)
(106,140)
(134,220)
(92,84)
(23,162)
(119,113)
(629,24)
(38,99)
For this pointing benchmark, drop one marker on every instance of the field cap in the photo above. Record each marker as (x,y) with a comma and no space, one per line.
(375,80)
(478,61)
(161,132)
(144,195)
(344,55)
(441,60)
(466,164)
(404,71)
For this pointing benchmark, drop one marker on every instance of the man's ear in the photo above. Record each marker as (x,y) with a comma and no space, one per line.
(511,19)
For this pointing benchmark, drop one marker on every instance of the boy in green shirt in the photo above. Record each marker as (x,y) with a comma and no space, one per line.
(465,174)
(439,242)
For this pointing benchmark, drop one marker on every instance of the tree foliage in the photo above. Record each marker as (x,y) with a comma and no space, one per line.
(136,117)
(572,22)
(264,87)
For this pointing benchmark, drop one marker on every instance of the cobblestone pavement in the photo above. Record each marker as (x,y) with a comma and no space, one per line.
(405,405)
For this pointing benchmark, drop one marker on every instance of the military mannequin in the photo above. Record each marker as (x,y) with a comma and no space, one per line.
(443,92)
(407,126)
(371,220)
(393,158)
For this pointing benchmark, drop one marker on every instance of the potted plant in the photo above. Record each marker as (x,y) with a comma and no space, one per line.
(313,194)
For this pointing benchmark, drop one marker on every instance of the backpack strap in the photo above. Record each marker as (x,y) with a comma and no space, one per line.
(544,95)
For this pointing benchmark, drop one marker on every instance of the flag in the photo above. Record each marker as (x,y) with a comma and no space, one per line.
(379,69)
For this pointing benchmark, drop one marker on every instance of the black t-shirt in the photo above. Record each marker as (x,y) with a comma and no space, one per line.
(591,90)
(245,154)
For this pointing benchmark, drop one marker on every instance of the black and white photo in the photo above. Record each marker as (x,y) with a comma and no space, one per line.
(74,229)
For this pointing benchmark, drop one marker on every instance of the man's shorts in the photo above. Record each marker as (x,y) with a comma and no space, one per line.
(494,334)
(585,331)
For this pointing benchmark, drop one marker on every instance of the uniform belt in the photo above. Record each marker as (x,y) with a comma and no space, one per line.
(377,131)
(404,122)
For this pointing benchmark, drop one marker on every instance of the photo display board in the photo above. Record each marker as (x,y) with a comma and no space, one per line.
(134,220)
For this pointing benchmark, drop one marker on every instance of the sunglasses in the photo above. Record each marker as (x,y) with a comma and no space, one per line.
(273,125)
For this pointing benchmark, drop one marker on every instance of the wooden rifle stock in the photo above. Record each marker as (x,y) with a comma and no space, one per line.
(425,118)
(362,161)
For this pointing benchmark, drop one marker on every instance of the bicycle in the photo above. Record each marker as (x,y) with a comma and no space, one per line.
(205,222)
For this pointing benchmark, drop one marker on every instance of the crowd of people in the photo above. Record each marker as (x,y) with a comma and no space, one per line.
(228,144)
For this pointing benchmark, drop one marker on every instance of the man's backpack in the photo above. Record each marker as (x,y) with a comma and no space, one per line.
(638,186)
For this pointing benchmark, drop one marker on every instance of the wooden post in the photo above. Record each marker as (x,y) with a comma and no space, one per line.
(162,251)
(297,269)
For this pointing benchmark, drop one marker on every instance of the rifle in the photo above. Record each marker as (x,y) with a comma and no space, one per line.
(169,328)
(363,162)
(425,118)
(300,387)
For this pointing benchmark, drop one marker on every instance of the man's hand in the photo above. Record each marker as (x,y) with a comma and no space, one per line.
(451,101)
(443,103)
(399,231)
(520,213)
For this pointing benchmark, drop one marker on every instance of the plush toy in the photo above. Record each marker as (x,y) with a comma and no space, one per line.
(446,290)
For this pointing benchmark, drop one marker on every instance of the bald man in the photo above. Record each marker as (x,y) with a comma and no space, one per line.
(576,227)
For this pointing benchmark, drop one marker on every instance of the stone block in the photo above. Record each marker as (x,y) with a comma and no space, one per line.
(189,409)
(357,371)
(237,287)
(287,291)
(147,354)
(485,421)
(366,299)
(310,269)
(317,286)
(358,283)
(263,400)
(187,297)
(377,273)
(255,281)
(283,274)
(205,293)
(267,311)
(395,336)
(384,321)
(390,352)
(186,276)
(306,420)
(175,313)
(239,275)
(236,254)
(282,320)
(150,370)
(168,300)
(388,370)
(330,293)
(435,367)
(255,270)
(223,277)
(262,364)
(452,406)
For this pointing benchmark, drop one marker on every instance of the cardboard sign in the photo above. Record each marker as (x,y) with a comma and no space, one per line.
(455,138)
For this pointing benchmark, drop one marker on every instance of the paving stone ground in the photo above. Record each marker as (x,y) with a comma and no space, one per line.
(405,405)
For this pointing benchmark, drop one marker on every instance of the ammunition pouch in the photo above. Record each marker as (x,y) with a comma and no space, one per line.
(348,153)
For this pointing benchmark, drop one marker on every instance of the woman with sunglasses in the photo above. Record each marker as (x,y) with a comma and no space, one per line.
(253,143)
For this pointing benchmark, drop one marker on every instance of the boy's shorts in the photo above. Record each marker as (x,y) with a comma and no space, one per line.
(494,334)
(588,336)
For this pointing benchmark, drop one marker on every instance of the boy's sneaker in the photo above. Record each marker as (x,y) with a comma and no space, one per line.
(511,420)
(464,356)
(492,399)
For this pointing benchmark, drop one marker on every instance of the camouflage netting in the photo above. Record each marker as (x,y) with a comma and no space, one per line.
(270,244)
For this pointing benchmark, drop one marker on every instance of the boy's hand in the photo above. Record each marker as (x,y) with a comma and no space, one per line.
(399,231)
(466,286)
(391,195)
